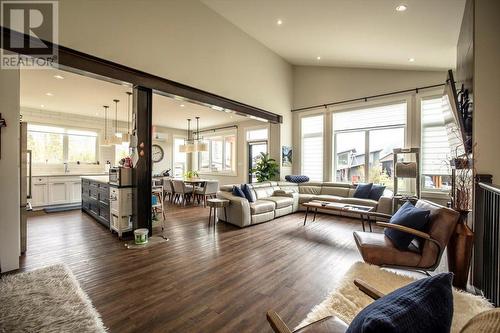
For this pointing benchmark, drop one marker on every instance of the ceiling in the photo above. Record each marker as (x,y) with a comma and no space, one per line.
(82,95)
(352,33)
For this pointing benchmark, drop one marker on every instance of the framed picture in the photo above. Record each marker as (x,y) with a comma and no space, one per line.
(286,156)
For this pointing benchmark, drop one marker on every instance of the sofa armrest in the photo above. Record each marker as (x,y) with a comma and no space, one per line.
(289,194)
(384,205)
(238,211)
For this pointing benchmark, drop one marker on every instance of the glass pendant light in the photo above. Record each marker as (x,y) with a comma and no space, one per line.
(106,141)
(116,138)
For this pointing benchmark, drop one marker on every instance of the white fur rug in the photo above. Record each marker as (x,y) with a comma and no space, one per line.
(46,300)
(347,300)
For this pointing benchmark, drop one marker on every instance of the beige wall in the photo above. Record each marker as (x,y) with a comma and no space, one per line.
(183,41)
(320,85)
(9,172)
(487,88)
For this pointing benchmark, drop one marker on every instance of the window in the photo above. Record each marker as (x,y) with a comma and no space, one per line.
(52,145)
(364,140)
(435,146)
(257,134)
(312,147)
(121,151)
(221,154)
(179,158)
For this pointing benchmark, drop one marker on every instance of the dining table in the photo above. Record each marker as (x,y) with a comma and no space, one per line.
(194,182)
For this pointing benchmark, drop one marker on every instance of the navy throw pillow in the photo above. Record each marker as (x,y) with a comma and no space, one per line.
(376,192)
(238,192)
(425,305)
(296,179)
(248,193)
(363,191)
(408,216)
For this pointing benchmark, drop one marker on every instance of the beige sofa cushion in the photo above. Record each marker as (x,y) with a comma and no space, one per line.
(261,206)
(336,191)
(330,198)
(310,189)
(305,198)
(361,202)
(280,201)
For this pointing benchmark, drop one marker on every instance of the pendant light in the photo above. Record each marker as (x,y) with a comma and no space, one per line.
(106,140)
(187,147)
(126,136)
(116,138)
(199,144)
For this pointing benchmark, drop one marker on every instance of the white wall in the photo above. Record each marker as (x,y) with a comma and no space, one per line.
(184,41)
(9,175)
(487,88)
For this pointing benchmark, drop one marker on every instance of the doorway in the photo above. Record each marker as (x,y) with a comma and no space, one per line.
(255,148)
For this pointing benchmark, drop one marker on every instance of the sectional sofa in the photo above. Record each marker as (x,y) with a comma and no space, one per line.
(275,199)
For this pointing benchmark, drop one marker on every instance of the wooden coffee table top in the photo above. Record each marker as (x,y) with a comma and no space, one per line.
(338,206)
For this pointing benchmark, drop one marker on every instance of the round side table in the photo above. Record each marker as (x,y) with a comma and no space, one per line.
(214,204)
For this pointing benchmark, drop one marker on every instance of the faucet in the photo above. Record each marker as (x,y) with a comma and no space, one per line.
(66,167)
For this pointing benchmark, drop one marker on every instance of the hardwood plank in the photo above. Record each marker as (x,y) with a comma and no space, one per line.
(202,280)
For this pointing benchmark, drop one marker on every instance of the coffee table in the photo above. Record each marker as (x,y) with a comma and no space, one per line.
(363,211)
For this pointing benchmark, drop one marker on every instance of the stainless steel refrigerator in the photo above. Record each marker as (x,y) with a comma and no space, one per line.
(25,157)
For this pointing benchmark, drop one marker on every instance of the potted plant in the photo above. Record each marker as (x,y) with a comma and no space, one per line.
(266,168)
(191,174)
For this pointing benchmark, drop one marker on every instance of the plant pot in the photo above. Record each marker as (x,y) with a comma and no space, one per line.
(459,251)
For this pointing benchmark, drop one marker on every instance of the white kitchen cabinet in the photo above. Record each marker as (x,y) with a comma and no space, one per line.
(57,192)
(39,194)
(75,190)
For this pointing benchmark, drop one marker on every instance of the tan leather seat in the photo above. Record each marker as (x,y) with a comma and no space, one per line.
(280,201)
(327,197)
(261,206)
(423,254)
(361,202)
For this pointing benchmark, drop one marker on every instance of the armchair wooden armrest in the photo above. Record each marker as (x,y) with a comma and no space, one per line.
(368,290)
(379,215)
(408,230)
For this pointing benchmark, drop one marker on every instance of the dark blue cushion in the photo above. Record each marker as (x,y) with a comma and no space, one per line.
(248,193)
(296,179)
(409,216)
(376,192)
(238,192)
(363,191)
(425,305)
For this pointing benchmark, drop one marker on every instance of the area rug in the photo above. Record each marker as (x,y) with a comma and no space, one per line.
(46,300)
(346,300)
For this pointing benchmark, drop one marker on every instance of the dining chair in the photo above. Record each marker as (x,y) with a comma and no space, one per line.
(181,191)
(208,191)
(168,189)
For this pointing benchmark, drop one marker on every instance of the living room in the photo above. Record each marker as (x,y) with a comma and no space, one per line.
(334,102)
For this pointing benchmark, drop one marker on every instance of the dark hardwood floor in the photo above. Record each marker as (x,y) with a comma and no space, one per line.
(201,280)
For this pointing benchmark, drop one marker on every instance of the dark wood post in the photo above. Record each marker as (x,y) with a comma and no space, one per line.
(143,110)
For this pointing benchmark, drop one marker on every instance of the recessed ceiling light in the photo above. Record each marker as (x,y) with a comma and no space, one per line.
(411,59)
(49,94)
(42,106)
(318,58)
(182,105)
(59,77)
(401,8)
(279,22)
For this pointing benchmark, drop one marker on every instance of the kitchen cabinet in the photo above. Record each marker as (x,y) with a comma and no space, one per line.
(95,198)
(57,192)
(39,192)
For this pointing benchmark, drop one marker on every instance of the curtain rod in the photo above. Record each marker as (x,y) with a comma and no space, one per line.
(217,129)
(368,97)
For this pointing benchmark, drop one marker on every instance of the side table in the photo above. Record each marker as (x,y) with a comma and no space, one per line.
(214,204)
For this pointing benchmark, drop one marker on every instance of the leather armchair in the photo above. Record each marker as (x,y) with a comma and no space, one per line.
(423,254)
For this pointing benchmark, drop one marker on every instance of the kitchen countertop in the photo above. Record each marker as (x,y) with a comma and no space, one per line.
(100,179)
(70,174)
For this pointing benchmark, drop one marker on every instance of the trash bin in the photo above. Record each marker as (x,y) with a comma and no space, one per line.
(141,236)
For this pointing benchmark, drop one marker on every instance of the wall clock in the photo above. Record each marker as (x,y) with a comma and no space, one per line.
(157,153)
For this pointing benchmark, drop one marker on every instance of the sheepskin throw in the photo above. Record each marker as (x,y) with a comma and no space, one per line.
(346,300)
(46,300)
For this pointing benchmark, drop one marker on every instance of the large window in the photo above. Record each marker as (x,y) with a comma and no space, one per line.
(179,158)
(53,145)
(435,146)
(221,154)
(312,147)
(364,140)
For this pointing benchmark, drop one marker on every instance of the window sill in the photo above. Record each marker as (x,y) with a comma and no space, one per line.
(222,174)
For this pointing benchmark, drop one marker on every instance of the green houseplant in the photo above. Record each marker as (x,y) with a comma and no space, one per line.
(191,174)
(266,168)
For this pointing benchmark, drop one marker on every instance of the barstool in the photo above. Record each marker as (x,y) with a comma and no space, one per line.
(214,204)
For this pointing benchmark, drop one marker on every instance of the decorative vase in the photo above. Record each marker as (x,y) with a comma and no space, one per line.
(459,251)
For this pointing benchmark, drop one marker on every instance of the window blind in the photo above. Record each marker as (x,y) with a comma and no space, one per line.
(312,147)
(435,145)
(387,115)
